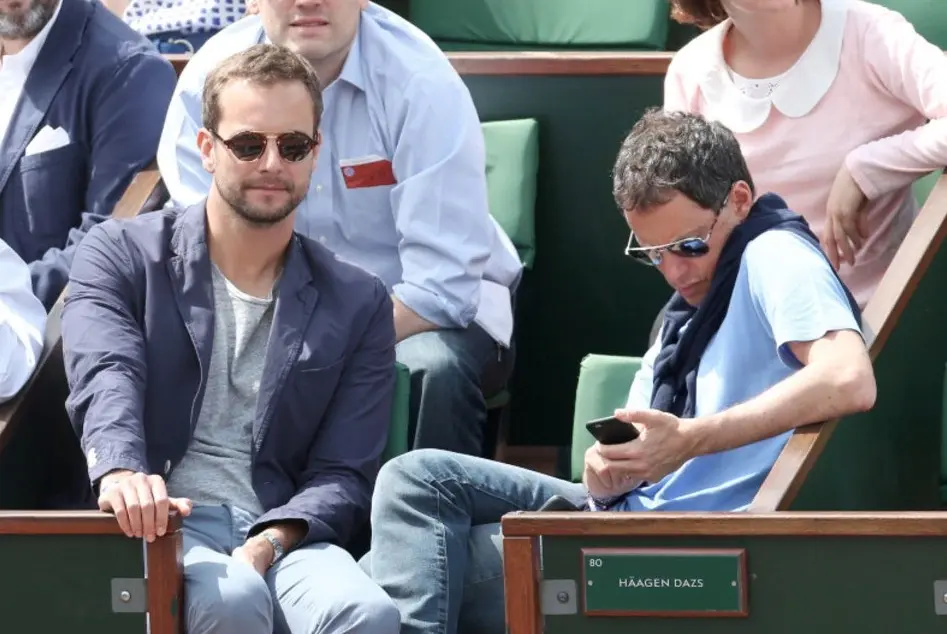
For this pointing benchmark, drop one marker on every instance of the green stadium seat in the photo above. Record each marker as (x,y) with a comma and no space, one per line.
(512,149)
(398,431)
(512,163)
(603,387)
(543,24)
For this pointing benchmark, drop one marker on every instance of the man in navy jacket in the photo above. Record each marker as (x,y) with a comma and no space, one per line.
(82,103)
(223,366)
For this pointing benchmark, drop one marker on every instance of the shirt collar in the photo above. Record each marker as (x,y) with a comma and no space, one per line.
(799,90)
(23,61)
(352,67)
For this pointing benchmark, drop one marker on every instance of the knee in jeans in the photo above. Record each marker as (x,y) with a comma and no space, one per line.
(239,604)
(410,469)
(371,612)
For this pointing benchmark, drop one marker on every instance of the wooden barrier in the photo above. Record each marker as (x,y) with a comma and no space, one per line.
(76,571)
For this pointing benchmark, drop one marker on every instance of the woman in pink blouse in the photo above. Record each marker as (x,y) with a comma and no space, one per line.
(839,106)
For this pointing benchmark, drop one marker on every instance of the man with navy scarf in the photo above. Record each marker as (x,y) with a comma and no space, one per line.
(759,337)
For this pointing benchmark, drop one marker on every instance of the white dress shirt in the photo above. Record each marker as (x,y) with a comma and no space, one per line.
(22,323)
(14,70)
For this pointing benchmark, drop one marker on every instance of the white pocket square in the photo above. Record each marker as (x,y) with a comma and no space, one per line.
(47,139)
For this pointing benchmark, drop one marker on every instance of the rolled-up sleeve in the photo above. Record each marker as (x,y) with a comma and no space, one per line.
(440,201)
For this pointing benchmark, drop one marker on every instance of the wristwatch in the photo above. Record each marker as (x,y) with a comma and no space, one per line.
(278,551)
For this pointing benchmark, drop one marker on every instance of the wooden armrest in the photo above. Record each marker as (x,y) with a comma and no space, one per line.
(67,523)
(539,62)
(619,524)
(879,318)
(561,63)
(163,566)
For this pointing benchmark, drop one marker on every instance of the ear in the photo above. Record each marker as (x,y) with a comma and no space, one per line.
(206,145)
(741,199)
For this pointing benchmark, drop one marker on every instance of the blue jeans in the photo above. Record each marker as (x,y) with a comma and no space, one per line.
(317,588)
(452,371)
(436,537)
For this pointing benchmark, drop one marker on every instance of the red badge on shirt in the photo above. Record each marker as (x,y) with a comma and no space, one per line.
(367,171)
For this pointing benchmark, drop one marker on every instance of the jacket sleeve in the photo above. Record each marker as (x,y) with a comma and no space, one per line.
(104,355)
(337,484)
(127,116)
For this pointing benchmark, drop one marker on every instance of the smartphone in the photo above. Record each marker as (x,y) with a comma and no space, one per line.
(611,431)
(559,503)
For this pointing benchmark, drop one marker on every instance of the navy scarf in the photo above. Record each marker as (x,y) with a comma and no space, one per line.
(675,369)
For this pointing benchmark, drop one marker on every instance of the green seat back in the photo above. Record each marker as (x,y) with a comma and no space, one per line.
(923,186)
(512,162)
(398,431)
(547,24)
(603,386)
(929,17)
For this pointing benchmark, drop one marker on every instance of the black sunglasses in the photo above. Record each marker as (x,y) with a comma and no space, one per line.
(250,146)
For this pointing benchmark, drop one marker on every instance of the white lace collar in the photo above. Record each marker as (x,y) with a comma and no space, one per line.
(799,90)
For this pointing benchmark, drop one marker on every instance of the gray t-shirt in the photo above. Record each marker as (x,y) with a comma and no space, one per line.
(216,467)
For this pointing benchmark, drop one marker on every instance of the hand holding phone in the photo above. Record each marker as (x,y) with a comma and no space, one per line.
(611,431)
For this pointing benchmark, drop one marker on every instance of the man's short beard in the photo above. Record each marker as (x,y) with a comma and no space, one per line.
(30,23)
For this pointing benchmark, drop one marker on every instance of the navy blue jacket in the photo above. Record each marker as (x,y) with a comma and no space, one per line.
(108,89)
(137,328)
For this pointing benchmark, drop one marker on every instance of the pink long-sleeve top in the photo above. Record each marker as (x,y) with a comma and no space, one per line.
(868,92)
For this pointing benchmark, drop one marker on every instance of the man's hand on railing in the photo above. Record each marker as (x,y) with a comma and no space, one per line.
(140,503)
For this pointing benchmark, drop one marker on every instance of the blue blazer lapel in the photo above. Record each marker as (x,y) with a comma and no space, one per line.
(190,273)
(52,66)
(295,302)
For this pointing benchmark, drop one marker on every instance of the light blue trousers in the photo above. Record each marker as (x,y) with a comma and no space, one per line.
(317,589)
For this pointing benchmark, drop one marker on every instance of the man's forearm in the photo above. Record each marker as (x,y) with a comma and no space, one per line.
(408,322)
(811,395)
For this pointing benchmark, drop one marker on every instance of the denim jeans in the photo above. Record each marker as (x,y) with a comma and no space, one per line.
(436,537)
(452,370)
(315,589)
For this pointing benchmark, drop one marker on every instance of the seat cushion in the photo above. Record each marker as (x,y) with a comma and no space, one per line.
(603,386)
(602,24)
(512,162)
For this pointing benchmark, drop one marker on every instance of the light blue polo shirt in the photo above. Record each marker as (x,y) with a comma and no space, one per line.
(785,292)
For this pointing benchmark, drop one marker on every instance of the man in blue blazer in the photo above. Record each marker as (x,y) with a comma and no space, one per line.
(223,366)
(82,102)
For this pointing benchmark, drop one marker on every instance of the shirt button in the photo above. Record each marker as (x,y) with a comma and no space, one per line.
(318,188)
(322,239)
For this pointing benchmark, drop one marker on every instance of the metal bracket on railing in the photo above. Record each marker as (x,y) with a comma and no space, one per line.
(558,596)
(129,595)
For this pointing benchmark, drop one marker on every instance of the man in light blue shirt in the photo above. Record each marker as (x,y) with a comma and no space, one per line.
(400,190)
(760,337)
